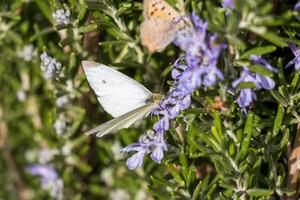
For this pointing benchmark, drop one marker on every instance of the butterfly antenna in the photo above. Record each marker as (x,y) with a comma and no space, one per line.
(161,87)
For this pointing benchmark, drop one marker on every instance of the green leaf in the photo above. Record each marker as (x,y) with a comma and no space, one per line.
(218,125)
(235,41)
(259,51)
(284,140)
(260,70)
(119,35)
(176,175)
(72,64)
(274,38)
(278,120)
(184,165)
(244,85)
(295,82)
(258,192)
(81,12)
(162,182)
(279,98)
(197,191)
(87,28)
(44,6)
(248,129)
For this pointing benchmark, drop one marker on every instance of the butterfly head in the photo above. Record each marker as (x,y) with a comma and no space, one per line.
(156,98)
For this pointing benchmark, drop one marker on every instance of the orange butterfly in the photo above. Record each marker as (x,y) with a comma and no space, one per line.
(161,22)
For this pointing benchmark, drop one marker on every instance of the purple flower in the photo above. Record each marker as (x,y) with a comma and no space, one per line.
(296,52)
(197,67)
(211,74)
(246,76)
(228,4)
(297,6)
(49,179)
(147,144)
(136,160)
(259,60)
(246,97)
(264,81)
(49,65)
(158,153)
(46,172)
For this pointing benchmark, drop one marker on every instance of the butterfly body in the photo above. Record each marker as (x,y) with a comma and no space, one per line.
(122,97)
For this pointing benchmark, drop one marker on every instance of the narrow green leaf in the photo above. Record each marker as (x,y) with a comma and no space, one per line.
(279,98)
(176,175)
(260,70)
(258,192)
(236,42)
(81,12)
(278,120)
(87,28)
(44,6)
(274,38)
(247,136)
(72,64)
(284,140)
(184,165)
(295,82)
(259,51)
(244,85)
(215,133)
(162,182)
(218,125)
(197,191)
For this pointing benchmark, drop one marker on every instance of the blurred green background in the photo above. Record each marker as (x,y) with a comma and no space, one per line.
(224,154)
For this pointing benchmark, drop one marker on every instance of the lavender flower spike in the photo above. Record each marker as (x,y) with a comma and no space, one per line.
(247,95)
(61,16)
(137,159)
(264,81)
(46,172)
(49,65)
(246,76)
(297,6)
(49,179)
(228,4)
(198,66)
(296,52)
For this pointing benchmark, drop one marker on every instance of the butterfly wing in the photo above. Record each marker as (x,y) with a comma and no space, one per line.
(157,34)
(116,92)
(123,121)
(161,22)
(159,9)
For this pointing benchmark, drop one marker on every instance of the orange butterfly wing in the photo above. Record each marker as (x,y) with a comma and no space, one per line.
(157,34)
(161,22)
(159,9)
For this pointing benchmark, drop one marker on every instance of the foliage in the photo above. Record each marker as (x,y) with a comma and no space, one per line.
(214,152)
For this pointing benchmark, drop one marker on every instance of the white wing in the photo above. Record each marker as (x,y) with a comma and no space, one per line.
(124,121)
(117,93)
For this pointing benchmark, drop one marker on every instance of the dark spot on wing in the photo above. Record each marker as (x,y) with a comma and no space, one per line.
(162,8)
(103,81)
(154,4)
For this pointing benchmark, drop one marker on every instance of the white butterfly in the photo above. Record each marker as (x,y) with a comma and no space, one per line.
(122,97)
